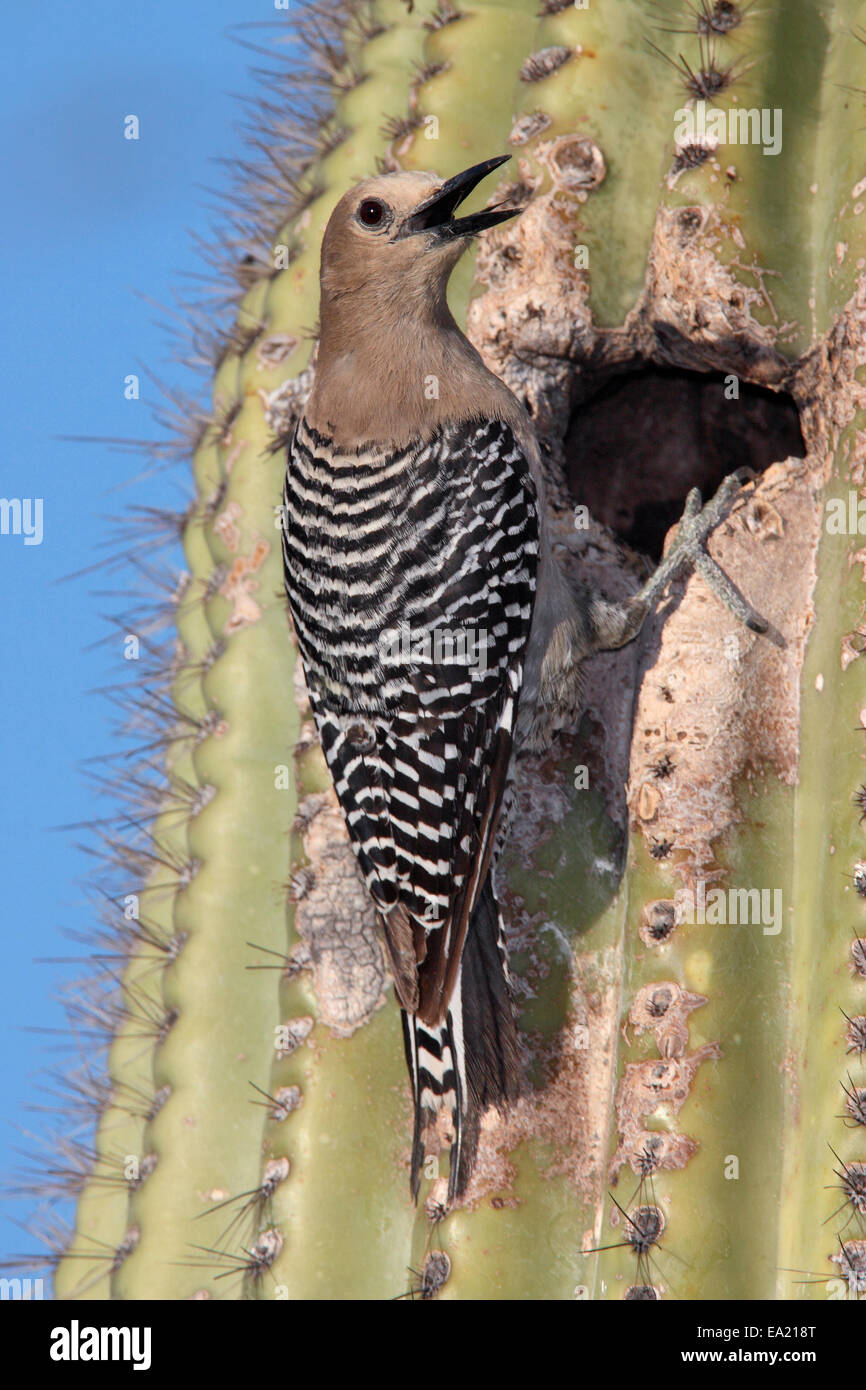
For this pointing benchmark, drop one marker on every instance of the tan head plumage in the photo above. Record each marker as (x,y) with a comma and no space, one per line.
(392,362)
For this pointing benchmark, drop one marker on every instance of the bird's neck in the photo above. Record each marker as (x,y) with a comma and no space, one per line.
(391,373)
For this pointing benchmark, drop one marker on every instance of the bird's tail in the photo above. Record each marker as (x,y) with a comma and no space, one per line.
(471,1059)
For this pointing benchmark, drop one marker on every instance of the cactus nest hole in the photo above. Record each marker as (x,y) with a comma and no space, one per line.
(635,448)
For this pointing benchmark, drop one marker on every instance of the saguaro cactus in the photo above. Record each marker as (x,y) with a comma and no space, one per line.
(685,293)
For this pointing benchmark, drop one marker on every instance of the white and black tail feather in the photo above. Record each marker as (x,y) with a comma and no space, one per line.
(471,1060)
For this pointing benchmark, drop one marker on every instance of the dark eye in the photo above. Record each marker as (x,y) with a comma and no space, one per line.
(371,212)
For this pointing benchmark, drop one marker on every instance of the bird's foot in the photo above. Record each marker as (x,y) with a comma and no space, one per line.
(687,550)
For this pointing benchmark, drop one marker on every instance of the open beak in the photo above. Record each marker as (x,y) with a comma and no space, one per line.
(436,215)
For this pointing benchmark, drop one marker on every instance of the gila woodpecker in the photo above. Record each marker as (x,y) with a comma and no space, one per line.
(436,630)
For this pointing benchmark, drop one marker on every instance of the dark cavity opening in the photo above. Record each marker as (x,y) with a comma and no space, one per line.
(635,449)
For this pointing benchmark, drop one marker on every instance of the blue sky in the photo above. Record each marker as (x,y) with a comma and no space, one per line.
(93,222)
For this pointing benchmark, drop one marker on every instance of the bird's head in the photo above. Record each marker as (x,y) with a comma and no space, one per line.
(398,233)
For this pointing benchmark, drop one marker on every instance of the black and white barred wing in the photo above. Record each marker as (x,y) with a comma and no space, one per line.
(412,590)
